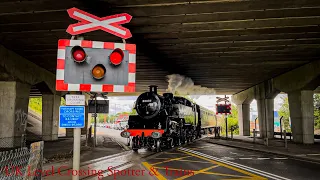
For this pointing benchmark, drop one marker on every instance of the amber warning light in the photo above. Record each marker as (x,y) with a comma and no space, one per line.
(98,71)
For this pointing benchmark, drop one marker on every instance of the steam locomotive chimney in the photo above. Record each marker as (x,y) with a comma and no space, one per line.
(153,88)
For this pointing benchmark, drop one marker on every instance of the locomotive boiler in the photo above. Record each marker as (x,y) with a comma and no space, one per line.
(163,121)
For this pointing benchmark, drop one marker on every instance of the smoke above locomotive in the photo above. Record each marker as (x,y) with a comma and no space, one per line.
(179,84)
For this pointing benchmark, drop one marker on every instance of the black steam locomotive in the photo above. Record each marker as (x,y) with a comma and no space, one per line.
(163,121)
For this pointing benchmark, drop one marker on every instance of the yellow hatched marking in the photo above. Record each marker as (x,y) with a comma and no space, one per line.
(239,179)
(197,172)
(175,159)
(150,168)
(194,161)
(171,153)
(161,158)
(227,166)
(203,172)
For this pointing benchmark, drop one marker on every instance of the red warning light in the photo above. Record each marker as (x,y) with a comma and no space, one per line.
(116,57)
(78,54)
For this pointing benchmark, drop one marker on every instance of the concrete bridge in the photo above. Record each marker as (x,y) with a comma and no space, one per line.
(251,49)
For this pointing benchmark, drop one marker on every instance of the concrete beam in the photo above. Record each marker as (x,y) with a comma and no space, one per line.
(15,67)
(304,77)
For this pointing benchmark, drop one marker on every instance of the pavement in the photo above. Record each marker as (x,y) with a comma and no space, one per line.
(59,153)
(276,146)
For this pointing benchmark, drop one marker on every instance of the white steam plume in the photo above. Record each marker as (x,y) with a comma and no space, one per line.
(179,84)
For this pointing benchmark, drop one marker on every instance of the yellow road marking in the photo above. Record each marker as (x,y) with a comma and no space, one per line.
(170,160)
(157,174)
(225,165)
(171,153)
(198,172)
(204,172)
(240,179)
(193,161)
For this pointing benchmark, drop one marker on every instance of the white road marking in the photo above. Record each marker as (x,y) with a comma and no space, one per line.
(313,154)
(263,158)
(256,171)
(301,155)
(229,158)
(245,158)
(280,158)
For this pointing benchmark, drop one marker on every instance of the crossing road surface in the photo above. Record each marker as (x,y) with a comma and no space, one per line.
(202,160)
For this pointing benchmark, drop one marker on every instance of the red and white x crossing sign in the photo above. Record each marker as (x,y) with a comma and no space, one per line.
(89,22)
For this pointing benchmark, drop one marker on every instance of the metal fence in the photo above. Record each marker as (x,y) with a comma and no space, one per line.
(22,163)
(12,142)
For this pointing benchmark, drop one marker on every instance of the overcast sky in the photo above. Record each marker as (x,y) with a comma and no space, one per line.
(125,103)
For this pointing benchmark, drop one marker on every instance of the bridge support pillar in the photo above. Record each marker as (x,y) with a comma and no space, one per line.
(14,100)
(302,118)
(266,117)
(244,119)
(50,116)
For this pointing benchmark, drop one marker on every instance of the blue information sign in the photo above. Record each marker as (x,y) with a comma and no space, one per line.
(71,117)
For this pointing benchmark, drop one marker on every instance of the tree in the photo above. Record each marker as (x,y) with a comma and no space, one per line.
(232,121)
(285,113)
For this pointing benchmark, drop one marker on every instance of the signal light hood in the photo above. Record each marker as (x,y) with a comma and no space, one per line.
(78,54)
(116,56)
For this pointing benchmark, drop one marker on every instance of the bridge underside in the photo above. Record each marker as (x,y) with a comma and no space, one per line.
(229,45)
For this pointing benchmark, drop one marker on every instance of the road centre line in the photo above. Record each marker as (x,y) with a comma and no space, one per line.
(263,158)
(245,158)
(256,171)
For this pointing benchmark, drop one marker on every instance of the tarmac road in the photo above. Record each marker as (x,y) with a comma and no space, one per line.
(205,160)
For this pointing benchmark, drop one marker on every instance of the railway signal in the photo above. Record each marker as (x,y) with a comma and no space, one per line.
(224,109)
(92,66)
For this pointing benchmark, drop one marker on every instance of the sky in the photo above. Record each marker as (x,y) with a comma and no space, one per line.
(125,103)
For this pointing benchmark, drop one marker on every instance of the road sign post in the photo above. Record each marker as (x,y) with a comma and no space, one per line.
(92,66)
(73,117)
(95,121)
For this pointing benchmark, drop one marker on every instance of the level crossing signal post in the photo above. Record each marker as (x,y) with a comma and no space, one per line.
(92,67)
(224,109)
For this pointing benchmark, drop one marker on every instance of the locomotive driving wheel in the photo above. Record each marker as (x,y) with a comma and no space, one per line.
(170,143)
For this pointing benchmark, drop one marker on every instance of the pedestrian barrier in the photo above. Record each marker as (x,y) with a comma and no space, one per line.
(22,163)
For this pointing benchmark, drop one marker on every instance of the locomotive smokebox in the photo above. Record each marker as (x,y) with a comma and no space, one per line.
(153,88)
